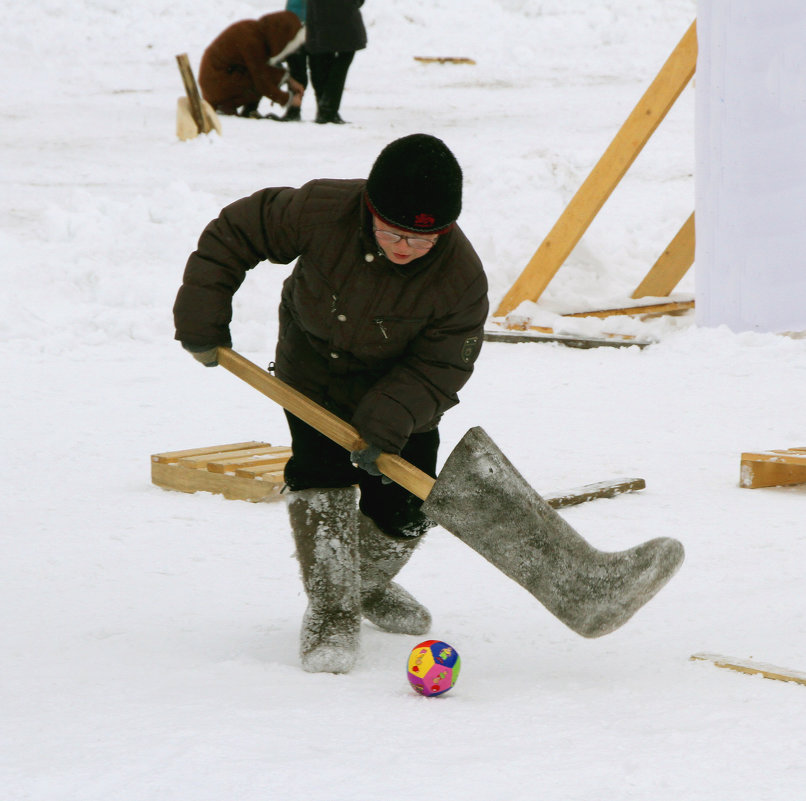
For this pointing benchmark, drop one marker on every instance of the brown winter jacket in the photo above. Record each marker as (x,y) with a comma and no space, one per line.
(385,347)
(234,69)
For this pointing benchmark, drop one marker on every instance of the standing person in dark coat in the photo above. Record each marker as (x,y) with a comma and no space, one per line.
(298,67)
(335,31)
(381,321)
(239,68)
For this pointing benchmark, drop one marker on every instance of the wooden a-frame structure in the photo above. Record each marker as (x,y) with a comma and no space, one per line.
(633,135)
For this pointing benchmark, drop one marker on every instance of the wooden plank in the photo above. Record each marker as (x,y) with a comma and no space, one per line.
(751,667)
(782,456)
(648,310)
(277,455)
(772,468)
(444,60)
(543,334)
(606,174)
(269,472)
(203,460)
(590,492)
(671,266)
(259,463)
(175,456)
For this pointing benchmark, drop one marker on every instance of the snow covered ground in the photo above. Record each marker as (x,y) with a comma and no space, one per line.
(148,644)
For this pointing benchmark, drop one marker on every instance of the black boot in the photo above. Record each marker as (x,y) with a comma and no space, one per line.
(292,114)
(324,116)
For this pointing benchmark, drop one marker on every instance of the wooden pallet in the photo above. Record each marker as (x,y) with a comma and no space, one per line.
(242,471)
(777,468)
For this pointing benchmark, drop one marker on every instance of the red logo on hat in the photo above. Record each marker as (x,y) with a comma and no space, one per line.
(424,221)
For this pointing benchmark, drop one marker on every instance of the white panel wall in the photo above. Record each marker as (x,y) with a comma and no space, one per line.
(750,269)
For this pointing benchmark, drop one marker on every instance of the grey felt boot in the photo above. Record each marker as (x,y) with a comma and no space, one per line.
(324,523)
(482,499)
(383,602)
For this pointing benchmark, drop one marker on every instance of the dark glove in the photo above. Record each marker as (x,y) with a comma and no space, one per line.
(366,460)
(206,354)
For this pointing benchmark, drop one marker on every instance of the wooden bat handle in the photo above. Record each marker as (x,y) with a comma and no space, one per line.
(342,433)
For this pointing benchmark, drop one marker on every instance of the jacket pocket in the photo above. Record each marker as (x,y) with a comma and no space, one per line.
(386,337)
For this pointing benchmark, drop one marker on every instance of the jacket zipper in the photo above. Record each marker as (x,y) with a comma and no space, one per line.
(379,322)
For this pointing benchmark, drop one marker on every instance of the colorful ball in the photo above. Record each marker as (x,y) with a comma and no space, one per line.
(433,667)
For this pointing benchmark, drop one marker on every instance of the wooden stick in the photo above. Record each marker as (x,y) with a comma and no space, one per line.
(342,433)
(753,668)
(191,90)
(604,177)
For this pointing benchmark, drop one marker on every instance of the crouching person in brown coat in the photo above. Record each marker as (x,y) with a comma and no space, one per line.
(381,321)
(240,67)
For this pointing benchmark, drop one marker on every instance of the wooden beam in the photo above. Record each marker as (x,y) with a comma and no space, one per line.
(192,91)
(606,174)
(590,492)
(444,60)
(648,310)
(753,668)
(539,333)
(671,266)
(776,468)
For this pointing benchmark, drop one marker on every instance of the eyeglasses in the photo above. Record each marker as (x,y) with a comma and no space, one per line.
(414,242)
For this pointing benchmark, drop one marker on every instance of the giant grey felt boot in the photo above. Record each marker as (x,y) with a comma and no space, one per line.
(482,499)
(325,532)
(383,602)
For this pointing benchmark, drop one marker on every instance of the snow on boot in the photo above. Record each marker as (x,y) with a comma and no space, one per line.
(483,500)
(324,523)
(383,602)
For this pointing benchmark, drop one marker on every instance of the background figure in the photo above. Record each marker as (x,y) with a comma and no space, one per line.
(239,67)
(335,31)
(297,63)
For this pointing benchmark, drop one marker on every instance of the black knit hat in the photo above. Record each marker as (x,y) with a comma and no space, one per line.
(416,184)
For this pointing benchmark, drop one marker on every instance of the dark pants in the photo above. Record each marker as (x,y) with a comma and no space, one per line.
(318,462)
(298,65)
(328,76)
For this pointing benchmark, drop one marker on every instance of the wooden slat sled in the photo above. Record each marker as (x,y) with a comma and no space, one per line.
(776,468)
(242,471)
